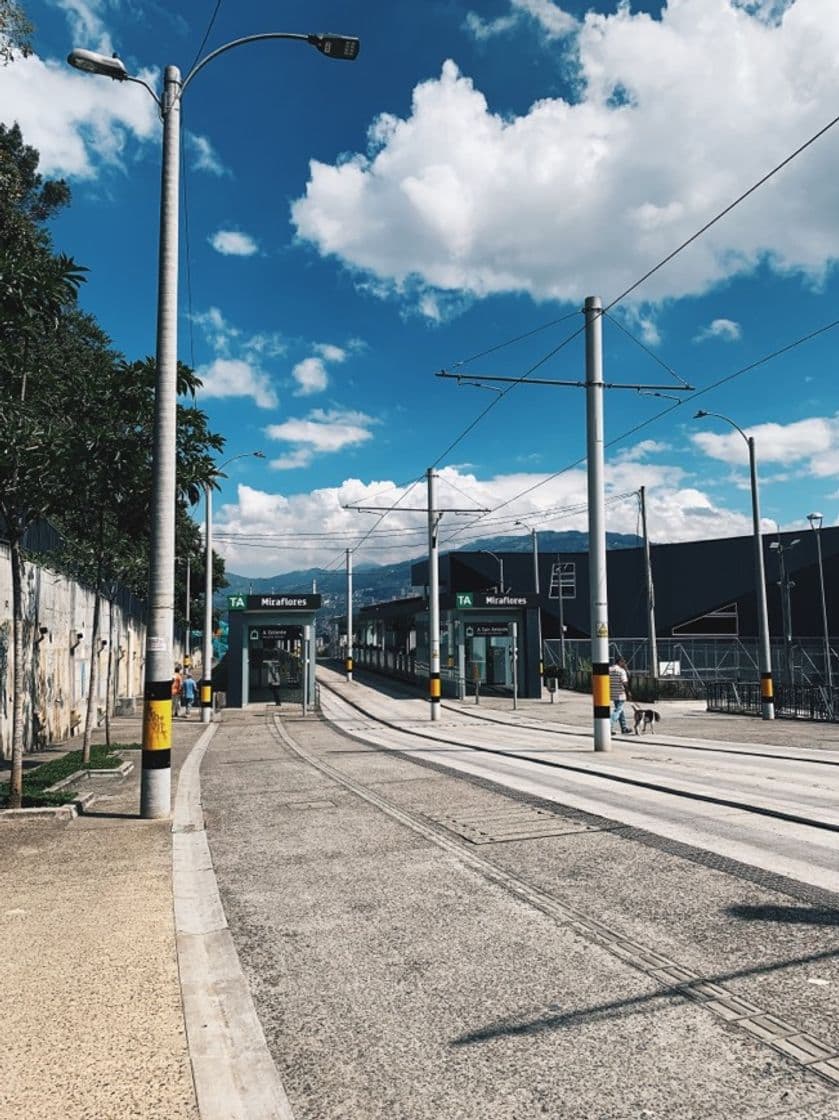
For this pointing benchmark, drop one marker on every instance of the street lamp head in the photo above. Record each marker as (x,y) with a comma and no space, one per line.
(699,414)
(344,47)
(259,454)
(815,520)
(93,63)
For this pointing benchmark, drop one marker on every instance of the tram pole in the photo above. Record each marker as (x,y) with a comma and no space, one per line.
(598,599)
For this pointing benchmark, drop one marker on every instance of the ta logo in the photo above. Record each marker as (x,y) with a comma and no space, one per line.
(236,602)
(464,599)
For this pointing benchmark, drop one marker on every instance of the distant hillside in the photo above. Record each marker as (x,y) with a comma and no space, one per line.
(377,583)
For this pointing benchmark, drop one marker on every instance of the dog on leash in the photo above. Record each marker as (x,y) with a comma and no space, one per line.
(645,718)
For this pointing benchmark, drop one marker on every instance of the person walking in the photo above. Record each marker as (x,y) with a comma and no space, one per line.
(275,682)
(619,692)
(177,682)
(189,693)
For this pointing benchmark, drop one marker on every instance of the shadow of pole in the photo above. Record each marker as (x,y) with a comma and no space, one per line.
(549,1022)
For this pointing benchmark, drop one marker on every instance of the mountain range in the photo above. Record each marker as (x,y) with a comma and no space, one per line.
(375,583)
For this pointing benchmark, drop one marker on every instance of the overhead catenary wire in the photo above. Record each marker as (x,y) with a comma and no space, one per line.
(641,280)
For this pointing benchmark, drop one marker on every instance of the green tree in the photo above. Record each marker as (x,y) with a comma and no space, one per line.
(15,32)
(37,291)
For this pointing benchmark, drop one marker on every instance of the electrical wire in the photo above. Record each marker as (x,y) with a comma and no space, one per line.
(741,198)
(650,272)
(206,35)
(518,338)
(646,348)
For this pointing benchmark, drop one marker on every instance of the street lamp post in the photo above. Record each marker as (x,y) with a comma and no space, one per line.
(767,694)
(535,538)
(785,584)
(155,786)
(500,562)
(816,520)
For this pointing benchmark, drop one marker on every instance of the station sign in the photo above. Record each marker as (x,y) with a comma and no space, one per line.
(273,602)
(488,630)
(493,600)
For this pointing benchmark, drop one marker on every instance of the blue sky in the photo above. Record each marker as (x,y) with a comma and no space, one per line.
(479,170)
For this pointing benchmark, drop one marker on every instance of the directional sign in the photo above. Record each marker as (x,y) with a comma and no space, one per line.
(277,633)
(490,630)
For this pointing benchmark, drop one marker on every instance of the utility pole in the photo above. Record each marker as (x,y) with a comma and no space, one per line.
(348,662)
(598,599)
(434,516)
(594,386)
(433,597)
(650,590)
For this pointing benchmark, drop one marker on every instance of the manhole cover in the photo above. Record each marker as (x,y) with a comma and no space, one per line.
(519,822)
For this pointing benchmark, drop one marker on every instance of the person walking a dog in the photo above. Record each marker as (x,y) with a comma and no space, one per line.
(619,692)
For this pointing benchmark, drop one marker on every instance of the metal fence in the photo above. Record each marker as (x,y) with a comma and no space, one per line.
(814,702)
(701,660)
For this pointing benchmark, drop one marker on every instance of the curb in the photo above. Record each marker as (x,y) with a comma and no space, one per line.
(86,775)
(234,1073)
(67,812)
(71,809)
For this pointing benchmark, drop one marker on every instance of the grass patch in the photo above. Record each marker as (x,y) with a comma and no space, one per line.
(35,782)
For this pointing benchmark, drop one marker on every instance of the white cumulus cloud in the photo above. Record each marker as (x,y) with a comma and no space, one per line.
(233,243)
(553,21)
(677,509)
(236,377)
(205,157)
(812,444)
(311,377)
(320,432)
(76,125)
(672,118)
(725,329)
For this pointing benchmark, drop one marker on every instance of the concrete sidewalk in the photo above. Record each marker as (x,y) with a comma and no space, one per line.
(92,1023)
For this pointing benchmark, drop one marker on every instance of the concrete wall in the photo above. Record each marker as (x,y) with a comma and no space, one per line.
(57,664)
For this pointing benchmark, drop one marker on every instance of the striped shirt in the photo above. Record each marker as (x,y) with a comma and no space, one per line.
(618,682)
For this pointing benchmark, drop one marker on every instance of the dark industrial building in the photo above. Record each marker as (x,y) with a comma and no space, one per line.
(702,590)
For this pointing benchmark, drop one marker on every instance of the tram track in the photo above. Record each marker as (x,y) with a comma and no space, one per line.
(658,741)
(709,989)
(751,807)
(650,740)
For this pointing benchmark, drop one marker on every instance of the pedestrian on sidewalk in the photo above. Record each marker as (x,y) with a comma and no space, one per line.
(619,691)
(177,681)
(275,682)
(189,693)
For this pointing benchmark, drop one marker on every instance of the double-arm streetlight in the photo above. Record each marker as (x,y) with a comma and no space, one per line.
(535,540)
(155,788)
(816,520)
(767,694)
(500,563)
(206,687)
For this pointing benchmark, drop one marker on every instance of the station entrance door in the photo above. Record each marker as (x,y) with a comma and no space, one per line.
(271,649)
